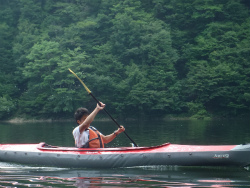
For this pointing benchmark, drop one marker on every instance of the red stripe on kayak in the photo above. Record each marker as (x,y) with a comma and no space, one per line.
(155,149)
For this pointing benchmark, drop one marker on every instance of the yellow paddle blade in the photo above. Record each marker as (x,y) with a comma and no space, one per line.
(87,89)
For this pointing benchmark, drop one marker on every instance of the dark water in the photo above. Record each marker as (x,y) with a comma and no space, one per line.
(144,134)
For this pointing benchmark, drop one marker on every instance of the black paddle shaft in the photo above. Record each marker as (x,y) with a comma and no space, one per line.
(113,119)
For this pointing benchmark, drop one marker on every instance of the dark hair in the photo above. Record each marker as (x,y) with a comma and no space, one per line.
(80,112)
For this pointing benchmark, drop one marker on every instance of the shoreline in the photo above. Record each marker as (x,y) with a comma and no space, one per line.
(171,118)
(23,120)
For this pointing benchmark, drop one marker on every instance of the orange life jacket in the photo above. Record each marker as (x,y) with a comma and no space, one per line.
(95,139)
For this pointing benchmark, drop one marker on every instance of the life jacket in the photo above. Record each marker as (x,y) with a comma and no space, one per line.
(95,139)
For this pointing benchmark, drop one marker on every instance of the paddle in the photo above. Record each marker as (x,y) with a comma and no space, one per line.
(90,93)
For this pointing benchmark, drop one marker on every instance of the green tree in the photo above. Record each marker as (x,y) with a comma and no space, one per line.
(139,46)
(8,89)
(220,82)
(49,79)
(141,57)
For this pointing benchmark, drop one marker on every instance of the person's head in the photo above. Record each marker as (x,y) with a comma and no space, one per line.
(81,114)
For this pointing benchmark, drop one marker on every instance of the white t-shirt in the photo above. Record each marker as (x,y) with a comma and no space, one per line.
(80,139)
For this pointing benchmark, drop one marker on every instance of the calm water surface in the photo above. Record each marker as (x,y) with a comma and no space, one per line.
(144,134)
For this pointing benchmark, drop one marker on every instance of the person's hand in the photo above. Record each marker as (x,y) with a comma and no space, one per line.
(120,130)
(100,107)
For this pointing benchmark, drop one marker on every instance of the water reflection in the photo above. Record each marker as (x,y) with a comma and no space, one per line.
(160,176)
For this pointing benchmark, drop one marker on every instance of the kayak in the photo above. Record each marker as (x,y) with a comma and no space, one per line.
(165,154)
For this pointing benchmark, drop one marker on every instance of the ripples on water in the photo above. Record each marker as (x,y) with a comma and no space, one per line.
(12,175)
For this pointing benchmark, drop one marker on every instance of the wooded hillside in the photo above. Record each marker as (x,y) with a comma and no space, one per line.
(143,58)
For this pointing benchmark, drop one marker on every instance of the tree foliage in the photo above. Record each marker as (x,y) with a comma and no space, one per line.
(143,58)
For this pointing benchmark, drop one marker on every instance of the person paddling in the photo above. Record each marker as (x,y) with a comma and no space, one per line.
(87,136)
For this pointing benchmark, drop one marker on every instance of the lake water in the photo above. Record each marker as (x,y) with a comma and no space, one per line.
(144,133)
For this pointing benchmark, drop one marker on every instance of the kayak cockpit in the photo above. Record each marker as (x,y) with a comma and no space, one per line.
(43,146)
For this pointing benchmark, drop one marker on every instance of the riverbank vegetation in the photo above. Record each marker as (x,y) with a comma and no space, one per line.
(144,58)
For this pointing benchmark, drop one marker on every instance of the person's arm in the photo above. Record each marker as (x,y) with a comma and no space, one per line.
(86,123)
(109,138)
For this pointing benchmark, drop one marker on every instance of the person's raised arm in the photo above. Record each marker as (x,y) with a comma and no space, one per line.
(86,123)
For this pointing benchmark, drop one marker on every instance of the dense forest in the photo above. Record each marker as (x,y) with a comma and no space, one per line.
(143,58)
